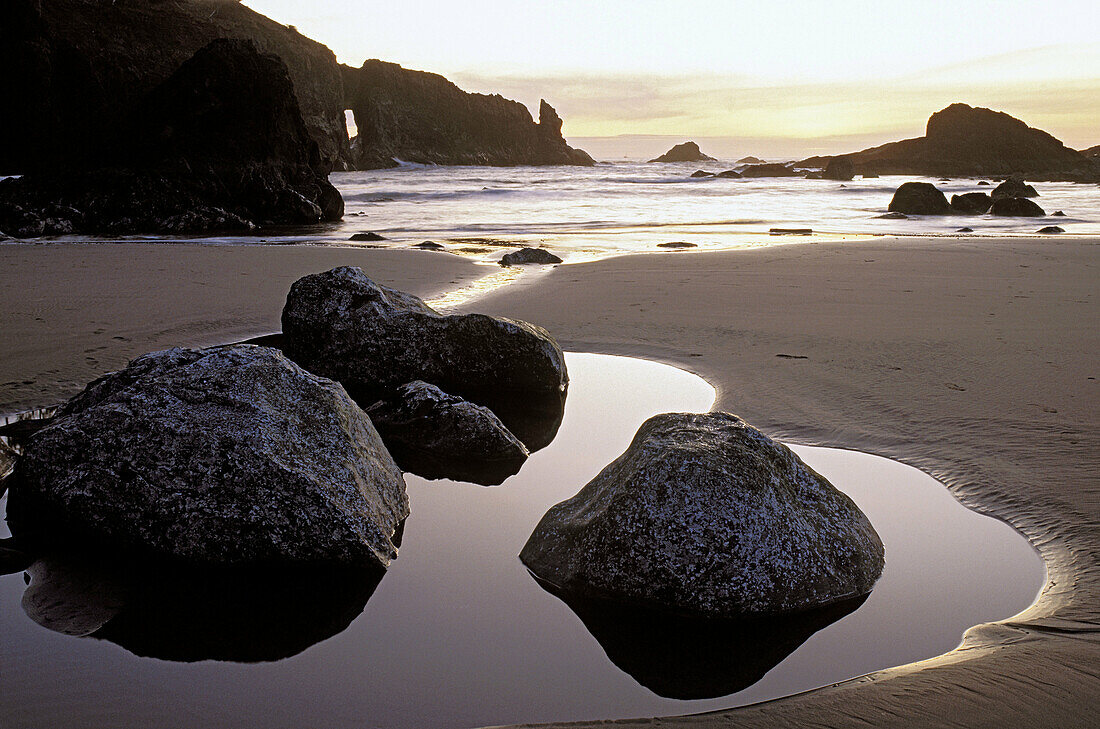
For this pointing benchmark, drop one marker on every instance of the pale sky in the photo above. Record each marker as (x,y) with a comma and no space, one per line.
(799,76)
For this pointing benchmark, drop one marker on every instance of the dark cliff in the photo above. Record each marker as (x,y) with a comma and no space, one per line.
(72,70)
(417,116)
(966,141)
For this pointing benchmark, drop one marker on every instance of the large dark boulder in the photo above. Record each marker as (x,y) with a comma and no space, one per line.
(705,515)
(436,435)
(686,152)
(73,71)
(219,145)
(225,456)
(919,198)
(965,141)
(971,203)
(839,168)
(342,325)
(1014,187)
(1016,207)
(417,116)
(770,169)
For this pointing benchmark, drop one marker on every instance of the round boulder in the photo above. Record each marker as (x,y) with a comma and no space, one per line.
(372,339)
(919,198)
(1019,207)
(705,515)
(436,435)
(1014,187)
(523,256)
(224,456)
(971,203)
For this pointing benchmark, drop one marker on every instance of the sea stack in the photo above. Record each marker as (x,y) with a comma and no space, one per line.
(686,152)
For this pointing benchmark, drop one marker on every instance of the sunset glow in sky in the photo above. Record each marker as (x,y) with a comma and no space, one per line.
(802,76)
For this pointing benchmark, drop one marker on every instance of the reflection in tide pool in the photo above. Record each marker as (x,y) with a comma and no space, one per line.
(458,634)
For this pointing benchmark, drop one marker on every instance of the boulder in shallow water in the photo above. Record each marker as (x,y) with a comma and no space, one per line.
(729,175)
(839,168)
(1019,207)
(702,173)
(369,236)
(1051,229)
(524,256)
(223,456)
(342,325)
(770,169)
(919,198)
(436,435)
(1013,187)
(705,515)
(971,203)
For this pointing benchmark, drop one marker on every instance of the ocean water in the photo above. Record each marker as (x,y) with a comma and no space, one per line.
(630,207)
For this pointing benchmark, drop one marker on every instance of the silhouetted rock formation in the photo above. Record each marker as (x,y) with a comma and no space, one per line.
(686,152)
(417,116)
(436,435)
(839,168)
(218,145)
(964,141)
(770,169)
(702,173)
(729,174)
(1019,207)
(529,255)
(72,70)
(225,456)
(1092,152)
(971,203)
(750,160)
(1013,187)
(1051,229)
(705,515)
(919,198)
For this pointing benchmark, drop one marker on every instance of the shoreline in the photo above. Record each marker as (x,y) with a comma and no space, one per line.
(993,395)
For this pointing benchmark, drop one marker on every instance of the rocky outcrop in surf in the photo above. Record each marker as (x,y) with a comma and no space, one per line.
(965,141)
(415,116)
(220,145)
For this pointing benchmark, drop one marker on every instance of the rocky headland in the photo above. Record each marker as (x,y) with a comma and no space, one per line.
(965,141)
(416,116)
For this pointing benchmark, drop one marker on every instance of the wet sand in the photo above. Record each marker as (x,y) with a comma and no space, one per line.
(972,359)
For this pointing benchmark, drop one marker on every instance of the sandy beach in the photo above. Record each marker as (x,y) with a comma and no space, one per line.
(973,359)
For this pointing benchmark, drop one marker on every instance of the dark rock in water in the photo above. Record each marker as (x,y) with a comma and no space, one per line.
(1014,187)
(919,198)
(704,515)
(371,236)
(161,609)
(676,244)
(965,230)
(686,152)
(219,145)
(775,169)
(428,245)
(702,173)
(815,175)
(983,183)
(971,203)
(1058,214)
(790,231)
(839,168)
(1051,229)
(422,117)
(436,435)
(750,160)
(529,255)
(964,141)
(682,657)
(342,325)
(223,456)
(67,87)
(1016,207)
(893,216)
(729,174)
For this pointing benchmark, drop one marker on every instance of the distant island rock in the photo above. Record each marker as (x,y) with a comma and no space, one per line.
(219,145)
(416,116)
(686,152)
(964,141)
(750,160)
